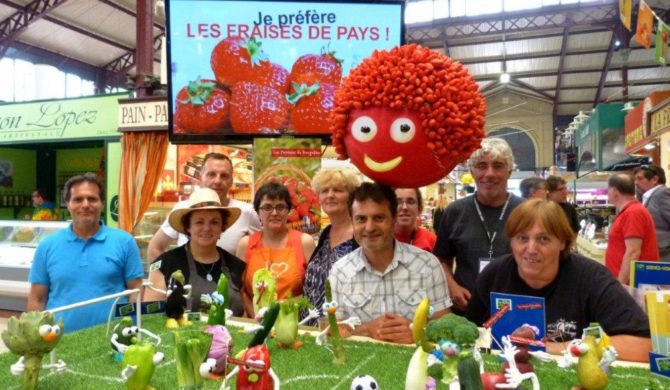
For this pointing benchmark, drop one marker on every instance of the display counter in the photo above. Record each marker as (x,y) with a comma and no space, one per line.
(593,249)
(18,241)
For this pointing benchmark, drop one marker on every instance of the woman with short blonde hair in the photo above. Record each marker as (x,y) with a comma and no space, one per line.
(333,187)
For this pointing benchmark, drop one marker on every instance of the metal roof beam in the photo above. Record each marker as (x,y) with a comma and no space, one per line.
(603,74)
(602,14)
(559,76)
(19,21)
(553,73)
(644,82)
(532,89)
(128,12)
(513,38)
(74,28)
(122,64)
(484,60)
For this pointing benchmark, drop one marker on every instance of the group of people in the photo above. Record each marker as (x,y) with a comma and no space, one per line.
(379,261)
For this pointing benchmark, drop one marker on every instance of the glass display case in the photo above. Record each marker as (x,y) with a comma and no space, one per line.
(18,241)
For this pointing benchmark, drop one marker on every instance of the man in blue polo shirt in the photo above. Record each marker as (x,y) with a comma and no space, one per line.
(85,261)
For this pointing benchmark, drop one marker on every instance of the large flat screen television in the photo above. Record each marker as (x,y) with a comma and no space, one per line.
(242,69)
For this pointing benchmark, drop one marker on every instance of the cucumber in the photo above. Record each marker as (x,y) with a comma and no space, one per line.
(268,322)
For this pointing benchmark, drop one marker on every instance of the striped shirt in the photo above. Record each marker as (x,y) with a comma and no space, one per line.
(366,293)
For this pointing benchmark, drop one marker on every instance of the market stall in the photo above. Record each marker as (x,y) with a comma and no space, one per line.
(42,145)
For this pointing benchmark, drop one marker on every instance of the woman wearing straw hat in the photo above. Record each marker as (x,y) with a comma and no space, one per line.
(200,260)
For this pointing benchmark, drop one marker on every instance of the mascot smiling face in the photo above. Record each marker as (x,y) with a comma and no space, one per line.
(406,117)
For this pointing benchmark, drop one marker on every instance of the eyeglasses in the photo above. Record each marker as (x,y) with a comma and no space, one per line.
(280,208)
(407,202)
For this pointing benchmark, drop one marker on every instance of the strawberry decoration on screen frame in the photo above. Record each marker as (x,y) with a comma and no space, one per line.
(407,116)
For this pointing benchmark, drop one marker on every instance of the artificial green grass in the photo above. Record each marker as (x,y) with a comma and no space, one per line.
(90,365)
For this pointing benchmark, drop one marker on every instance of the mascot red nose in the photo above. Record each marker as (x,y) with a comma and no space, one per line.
(406,117)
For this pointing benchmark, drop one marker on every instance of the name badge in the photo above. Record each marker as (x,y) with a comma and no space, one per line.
(483,262)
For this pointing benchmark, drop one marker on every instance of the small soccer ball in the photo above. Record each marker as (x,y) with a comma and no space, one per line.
(364,382)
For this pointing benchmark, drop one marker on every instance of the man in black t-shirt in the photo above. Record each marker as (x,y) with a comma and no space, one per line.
(472,230)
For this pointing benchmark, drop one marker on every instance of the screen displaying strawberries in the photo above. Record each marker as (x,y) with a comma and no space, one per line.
(311,105)
(234,60)
(257,94)
(257,109)
(273,45)
(202,107)
(317,68)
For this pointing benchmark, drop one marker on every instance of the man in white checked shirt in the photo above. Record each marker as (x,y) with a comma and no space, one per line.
(384,280)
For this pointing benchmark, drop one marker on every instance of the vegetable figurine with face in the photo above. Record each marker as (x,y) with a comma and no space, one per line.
(265,289)
(329,309)
(593,362)
(286,327)
(31,336)
(455,337)
(422,107)
(175,306)
(124,335)
(217,310)
(222,345)
(256,373)
(139,363)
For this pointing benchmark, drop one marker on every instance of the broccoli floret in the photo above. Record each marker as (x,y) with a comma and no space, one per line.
(452,327)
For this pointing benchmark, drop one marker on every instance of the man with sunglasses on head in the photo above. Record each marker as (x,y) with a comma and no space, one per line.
(217,174)
(650,183)
(407,227)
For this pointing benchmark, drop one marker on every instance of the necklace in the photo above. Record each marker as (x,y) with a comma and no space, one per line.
(209,276)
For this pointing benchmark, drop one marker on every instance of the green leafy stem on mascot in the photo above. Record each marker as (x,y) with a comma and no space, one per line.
(407,116)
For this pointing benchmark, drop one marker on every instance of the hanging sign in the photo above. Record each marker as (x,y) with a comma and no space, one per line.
(143,114)
(645,25)
(660,119)
(662,39)
(57,120)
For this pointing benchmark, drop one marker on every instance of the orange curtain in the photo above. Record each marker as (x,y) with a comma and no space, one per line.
(144,155)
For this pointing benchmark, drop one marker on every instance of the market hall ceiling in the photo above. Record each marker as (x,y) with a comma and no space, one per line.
(565,55)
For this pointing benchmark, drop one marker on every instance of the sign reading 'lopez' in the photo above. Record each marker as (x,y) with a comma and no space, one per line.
(59,119)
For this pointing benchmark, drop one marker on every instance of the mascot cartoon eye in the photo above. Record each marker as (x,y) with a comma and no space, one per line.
(127,332)
(56,329)
(333,303)
(403,130)
(364,129)
(326,306)
(44,330)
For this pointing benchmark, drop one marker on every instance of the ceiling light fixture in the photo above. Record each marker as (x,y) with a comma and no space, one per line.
(628,106)
(649,146)
(504,78)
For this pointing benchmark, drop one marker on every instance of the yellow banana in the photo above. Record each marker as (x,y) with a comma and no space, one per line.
(420,320)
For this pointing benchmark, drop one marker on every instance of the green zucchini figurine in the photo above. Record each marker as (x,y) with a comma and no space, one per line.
(217,310)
